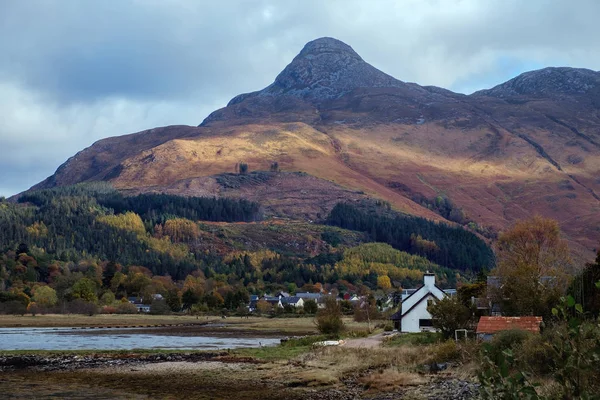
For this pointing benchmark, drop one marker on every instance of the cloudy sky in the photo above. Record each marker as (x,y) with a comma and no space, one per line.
(75,71)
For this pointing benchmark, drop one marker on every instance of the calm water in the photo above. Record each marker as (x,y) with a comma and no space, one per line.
(113,339)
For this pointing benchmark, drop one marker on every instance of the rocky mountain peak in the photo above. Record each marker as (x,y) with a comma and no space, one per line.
(325,69)
(547,82)
(336,49)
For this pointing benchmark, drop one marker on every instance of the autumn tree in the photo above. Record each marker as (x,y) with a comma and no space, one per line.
(366,311)
(85,289)
(107,298)
(449,314)
(384,282)
(173,299)
(181,230)
(533,266)
(189,298)
(263,306)
(310,307)
(329,319)
(45,296)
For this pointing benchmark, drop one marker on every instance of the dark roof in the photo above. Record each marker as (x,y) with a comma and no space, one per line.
(307,295)
(271,299)
(418,302)
(416,290)
(290,300)
(497,324)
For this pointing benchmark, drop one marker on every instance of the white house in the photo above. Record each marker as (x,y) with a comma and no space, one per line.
(293,301)
(413,315)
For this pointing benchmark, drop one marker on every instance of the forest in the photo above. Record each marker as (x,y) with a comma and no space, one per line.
(450,246)
(90,243)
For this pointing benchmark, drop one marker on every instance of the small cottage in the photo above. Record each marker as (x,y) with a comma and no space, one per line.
(413,315)
(488,326)
(293,301)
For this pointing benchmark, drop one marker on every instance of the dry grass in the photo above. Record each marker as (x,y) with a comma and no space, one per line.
(109,320)
(297,374)
(285,326)
(390,379)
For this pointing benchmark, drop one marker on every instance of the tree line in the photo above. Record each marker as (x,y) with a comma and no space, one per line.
(449,246)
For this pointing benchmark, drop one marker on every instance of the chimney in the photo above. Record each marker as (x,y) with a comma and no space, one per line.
(429,279)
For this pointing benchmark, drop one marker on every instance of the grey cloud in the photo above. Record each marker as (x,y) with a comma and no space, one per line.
(74,71)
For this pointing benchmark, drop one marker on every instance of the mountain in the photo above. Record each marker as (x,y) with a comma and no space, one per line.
(340,129)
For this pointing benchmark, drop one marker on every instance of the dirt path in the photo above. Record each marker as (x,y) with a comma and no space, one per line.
(368,342)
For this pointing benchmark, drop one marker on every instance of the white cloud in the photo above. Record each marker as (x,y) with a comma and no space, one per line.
(72,72)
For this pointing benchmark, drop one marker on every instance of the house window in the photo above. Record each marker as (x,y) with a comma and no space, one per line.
(429,302)
(425,323)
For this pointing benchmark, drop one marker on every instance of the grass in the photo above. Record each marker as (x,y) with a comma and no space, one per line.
(415,339)
(292,370)
(286,326)
(108,320)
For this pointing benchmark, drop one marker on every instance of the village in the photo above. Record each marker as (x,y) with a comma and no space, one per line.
(412,316)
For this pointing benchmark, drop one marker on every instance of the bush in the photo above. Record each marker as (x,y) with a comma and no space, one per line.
(444,352)
(79,306)
(126,308)
(311,307)
(13,307)
(160,307)
(388,328)
(417,339)
(329,319)
(506,340)
(536,355)
(108,310)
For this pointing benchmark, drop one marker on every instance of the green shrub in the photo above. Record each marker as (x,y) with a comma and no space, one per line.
(126,308)
(418,339)
(329,319)
(506,340)
(304,341)
(444,352)
(535,354)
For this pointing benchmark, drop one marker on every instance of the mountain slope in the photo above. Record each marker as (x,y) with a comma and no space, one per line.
(530,145)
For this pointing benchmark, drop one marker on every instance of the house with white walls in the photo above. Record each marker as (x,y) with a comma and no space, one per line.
(413,315)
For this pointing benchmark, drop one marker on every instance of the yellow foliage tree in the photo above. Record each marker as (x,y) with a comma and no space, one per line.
(533,266)
(181,230)
(129,221)
(383,282)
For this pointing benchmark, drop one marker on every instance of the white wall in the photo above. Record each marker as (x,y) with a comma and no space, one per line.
(428,286)
(410,321)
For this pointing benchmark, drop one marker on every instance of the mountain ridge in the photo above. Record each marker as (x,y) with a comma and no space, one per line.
(528,145)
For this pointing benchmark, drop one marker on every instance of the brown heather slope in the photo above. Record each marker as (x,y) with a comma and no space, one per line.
(530,145)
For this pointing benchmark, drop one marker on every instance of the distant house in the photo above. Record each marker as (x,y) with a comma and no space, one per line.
(282,294)
(355,299)
(145,308)
(488,326)
(293,301)
(316,297)
(309,296)
(413,315)
(495,288)
(252,304)
(274,301)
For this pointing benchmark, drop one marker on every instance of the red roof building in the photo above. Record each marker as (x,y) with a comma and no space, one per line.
(489,325)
